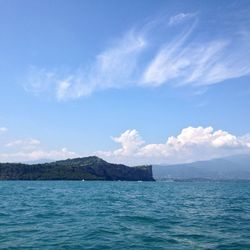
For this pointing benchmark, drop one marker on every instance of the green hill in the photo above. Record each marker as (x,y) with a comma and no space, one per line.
(87,168)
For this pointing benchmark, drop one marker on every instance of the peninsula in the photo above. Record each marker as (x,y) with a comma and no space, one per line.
(87,168)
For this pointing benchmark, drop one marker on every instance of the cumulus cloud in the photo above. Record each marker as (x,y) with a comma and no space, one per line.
(192,144)
(130,142)
(246,139)
(156,54)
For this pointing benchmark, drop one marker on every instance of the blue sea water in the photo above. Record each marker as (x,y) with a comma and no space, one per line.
(124,215)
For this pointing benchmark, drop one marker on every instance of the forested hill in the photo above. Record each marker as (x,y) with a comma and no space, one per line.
(87,168)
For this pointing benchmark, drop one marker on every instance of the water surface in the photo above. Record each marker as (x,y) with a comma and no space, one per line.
(124,215)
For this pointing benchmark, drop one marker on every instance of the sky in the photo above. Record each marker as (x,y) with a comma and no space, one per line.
(134,82)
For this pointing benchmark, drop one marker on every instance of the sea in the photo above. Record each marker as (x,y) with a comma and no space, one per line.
(124,215)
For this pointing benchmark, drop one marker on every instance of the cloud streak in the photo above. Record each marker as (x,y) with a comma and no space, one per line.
(27,143)
(115,67)
(154,55)
(181,17)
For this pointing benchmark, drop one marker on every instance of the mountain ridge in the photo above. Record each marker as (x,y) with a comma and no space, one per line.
(232,167)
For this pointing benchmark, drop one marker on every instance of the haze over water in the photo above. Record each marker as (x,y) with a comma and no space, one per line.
(124,215)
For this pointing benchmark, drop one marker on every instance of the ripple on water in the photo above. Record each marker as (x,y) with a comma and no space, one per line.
(120,215)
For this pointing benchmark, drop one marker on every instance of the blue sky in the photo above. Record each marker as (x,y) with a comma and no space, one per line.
(131,81)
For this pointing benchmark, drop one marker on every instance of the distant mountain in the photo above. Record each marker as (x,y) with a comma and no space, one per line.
(87,168)
(233,167)
(40,161)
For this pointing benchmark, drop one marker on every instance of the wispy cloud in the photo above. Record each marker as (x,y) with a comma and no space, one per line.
(181,17)
(179,55)
(3,130)
(30,149)
(115,67)
(38,154)
(192,144)
(196,64)
(25,144)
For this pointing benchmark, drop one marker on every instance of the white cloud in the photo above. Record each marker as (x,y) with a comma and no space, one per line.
(153,55)
(30,150)
(180,18)
(3,130)
(26,143)
(203,136)
(246,139)
(40,80)
(130,141)
(62,89)
(190,145)
(24,156)
(196,64)
(119,62)
(115,67)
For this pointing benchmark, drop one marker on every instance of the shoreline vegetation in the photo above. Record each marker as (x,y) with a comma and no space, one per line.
(87,168)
